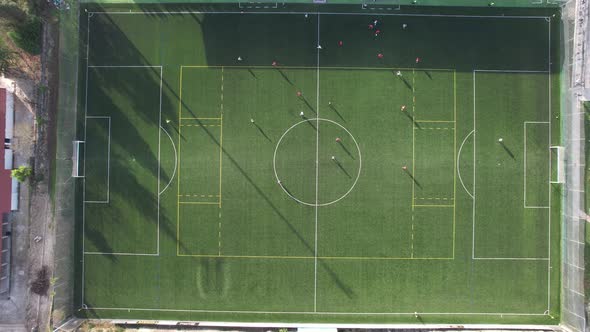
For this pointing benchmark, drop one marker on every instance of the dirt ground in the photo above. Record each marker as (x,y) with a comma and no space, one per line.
(35,110)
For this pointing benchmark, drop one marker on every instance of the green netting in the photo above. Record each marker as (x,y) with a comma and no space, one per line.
(64,183)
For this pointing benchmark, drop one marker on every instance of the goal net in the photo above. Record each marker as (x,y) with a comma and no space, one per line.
(77,166)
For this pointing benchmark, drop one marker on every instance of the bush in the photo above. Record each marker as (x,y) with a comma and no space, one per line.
(41,284)
(22,173)
(7,57)
(27,36)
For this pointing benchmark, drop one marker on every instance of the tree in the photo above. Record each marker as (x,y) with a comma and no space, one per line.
(22,173)
(7,58)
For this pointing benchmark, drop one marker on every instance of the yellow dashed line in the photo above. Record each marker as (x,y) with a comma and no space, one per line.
(421,128)
(199,125)
(435,198)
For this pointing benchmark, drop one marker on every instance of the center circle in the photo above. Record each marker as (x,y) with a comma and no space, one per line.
(317,167)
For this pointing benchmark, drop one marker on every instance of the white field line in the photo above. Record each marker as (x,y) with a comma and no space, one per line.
(131,66)
(117,253)
(524,125)
(108,160)
(175,161)
(474,167)
(511,258)
(511,71)
(157,253)
(473,257)
(321,312)
(458,163)
(258,5)
(549,182)
(84,167)
(159,161)
(274,162)
(301,13)
(317,173)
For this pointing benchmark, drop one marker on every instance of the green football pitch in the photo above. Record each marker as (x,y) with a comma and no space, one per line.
(247,166)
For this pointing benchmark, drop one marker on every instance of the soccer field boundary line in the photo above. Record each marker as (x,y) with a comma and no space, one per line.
(511,258)
(473,184)
(524,125)
(549,117)
(119,253)
(108,159)
(413,161)
(125,66)
(278,257)
(512,71)
(321,68)
(188,12)
(459,162)
(175,161)
(318,312)
(317,167)
(84,166)
(454,156)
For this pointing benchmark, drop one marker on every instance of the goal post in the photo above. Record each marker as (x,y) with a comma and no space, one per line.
(77,163)
(558,159)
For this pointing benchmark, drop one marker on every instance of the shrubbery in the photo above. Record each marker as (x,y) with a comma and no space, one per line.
(27,35)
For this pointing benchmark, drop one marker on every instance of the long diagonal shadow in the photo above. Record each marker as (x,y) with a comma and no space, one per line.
(507,150)
(336,111)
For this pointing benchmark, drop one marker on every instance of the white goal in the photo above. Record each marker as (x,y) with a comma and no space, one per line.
(77,168)
(560,161)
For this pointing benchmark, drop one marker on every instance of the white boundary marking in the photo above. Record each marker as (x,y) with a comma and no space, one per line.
(325,312)
(84,167)
(355,143)
(512,71)
(157,253)
(108,159)
(550,170)
(298,13)
(188,12)
(458,163)
(524,165)
(175,161)
(253,4)
(317,172)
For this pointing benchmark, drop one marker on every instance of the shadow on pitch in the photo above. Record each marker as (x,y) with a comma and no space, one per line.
(333,108)
(262,132)
(508,151)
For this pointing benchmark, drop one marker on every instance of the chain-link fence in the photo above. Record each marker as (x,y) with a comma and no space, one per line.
(575,21)
(65,203)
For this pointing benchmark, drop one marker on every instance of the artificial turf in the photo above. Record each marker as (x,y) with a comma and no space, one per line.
(236,211)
